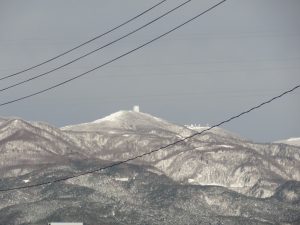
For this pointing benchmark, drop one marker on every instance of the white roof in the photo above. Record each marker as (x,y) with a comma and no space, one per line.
(64,223)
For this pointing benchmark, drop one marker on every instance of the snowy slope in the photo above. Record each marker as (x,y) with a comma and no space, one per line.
(216,130)
(23,142)
(290,141)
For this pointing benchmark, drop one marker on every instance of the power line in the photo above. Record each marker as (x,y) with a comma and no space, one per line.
(155,150)
(114,59)
(85,43)
(100,48)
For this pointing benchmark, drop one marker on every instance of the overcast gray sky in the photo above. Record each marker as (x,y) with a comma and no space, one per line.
(241,53)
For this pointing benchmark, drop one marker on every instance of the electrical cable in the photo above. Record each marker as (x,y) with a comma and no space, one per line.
(114,59)
(85,43)
(100,48)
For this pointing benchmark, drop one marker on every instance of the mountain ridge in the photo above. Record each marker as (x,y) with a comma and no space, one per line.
(215,158)
(214,178)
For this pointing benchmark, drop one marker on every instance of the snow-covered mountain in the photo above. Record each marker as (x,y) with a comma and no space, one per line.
(130,121)
(217,174)
(26,143)
(217,157)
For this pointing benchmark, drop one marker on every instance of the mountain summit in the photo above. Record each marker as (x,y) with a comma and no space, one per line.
(126,121)
(216,157)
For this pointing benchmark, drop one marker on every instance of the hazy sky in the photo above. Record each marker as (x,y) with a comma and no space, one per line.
(241,53)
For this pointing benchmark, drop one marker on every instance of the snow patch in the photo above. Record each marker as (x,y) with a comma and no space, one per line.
(26,181)
(122,178)
(197,127)
(290,195)
(225,146)
(155,171)
(111,117)
(191,180)
(293,139)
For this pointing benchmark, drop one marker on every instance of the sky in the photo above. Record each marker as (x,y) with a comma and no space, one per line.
(238,55)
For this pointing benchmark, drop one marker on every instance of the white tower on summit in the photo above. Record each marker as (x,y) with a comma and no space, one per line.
(136,108)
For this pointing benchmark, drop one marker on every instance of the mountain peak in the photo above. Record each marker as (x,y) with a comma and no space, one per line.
(117,116)
(127,120)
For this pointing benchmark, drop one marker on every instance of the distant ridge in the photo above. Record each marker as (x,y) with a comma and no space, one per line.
(217,157)
(291,141)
